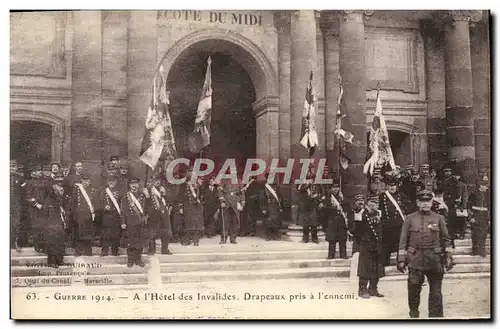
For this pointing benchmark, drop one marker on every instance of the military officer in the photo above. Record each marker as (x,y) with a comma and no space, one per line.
(158,210)
(309,200)
(35,194)
(370,267)
(111,224)
(134,220)
(228,213)
(428,182)
(270,209)
(412,188)
(335,209)
(190,207)
(15,205)
(210,202)
(479,205)
(252,192)
(83,211)
(423,246)
(353,216)
(392,204)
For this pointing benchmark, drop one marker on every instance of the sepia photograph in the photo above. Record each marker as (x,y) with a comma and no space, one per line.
(250,164)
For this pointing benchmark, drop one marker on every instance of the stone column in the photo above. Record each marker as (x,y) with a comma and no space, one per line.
(142,63)
(86,111)
(480,60)
(302,62)
(114,83)
(282,22)
(459,94)
(320,88)
(329,25)
(352,70)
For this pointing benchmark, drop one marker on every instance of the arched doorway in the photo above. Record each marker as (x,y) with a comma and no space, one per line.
(244,99)
(30,142)
(401,147)
(233,121)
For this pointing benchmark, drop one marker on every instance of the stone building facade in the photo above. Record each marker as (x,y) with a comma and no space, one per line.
(81,82)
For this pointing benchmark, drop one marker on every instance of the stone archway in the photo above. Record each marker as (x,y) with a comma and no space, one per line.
(259,69)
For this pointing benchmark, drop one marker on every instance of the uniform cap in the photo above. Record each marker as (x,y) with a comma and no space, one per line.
(426,166)
(414,171)
(391,180)
(133,180)
(84,177)
(114,158)
(111,166)
(47,168)
(424,195)
(410,166)
(359,197)
(58,178)
(55,163)
(13,162)
(36,168)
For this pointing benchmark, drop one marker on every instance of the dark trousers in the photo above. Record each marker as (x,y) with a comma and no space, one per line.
(479,232)
(456,225)
(114,243)
(83,247)
(415,281)
(248,224)
(164,246)
(305,233)
(55,259)
(209,223)
(332,246)
(134,255)
(272,233)
(38,241)
(367,285)
(191,236)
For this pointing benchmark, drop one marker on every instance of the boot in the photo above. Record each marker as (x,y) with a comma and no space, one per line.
(362,290)
(373,290)
(314,235)
(138,258)
(152,247)
(305,234)
(104,251)
(130,258)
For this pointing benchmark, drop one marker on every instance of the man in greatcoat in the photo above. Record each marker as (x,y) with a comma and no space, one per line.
(335,210)
(270,209)
(370,267)
(84,200)
(252,192)
(36,190)
(309,199)
(392,204)
(190,207)
(479,205)
(55,220)
(15,205)
(134,220)
(354,215)
(229,211)
(109,206)
(158,210)
(210,203)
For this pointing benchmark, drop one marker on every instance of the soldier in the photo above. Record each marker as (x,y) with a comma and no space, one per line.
(82,209)
(228,213)
(368,227)
(270,210)
(55,169)
(123,179)
(15,205)
(111,223)
(479,205)
(428,182)
(353,216)
(376,185)
(74,177)
(460,197)
(134,220)
(392,204)
(336,221)
(414,186)
(159,225)
(252,192)
(440,208)
(309,199)
(55,221)
(35,195)
(423,247)
(115,161)
(209,200)
(190,207)
(112,170)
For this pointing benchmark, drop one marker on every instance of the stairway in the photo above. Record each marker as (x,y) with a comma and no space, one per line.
(251,259)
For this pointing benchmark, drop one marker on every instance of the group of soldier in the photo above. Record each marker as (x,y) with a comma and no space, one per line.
(416,214)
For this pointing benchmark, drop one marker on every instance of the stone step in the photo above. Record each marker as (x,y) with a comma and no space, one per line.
(447,276)
(168,267)
(458,268)
(212,245)
(205,256)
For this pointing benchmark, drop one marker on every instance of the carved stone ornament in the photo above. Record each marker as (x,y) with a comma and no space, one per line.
(356,15)
(282,20)
(467,15)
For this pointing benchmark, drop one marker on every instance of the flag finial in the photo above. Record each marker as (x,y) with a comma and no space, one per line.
(340,79)
(209,60)
(378,87)
(161,69)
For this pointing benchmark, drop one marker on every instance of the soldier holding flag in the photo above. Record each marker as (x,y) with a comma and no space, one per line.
(336,221)
(159,224)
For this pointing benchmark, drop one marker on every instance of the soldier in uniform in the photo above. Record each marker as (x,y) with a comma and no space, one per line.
(228,212)
(414,186)
(252,192)
(479,205)
(429,183)
(134,220)
(309,199)
(55,169)
(159,224)
(74,177)
(354,215)
(15,205)
(392,204)
(423,248)
(270,209)
(55,221)
(209,200)
(123,178)
(115,161)
(190,207)
(111,224)
(376,185)
(460,196)
(336,221)
(368,228)
(35,195)
(82,211)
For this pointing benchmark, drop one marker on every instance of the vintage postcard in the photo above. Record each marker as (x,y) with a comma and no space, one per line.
(260,164)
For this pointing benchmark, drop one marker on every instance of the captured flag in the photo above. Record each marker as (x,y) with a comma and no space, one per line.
(343,130)
(200,137)
(158,142)
(309,138)
(379,148)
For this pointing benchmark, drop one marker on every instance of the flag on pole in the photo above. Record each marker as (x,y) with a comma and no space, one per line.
(309,138)
(343,130)
(200,137)
(379,148)
(158,142)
